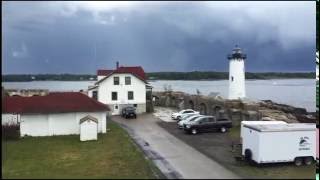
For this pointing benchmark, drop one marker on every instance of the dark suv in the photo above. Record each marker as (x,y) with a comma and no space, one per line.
(207,124)
(129,112)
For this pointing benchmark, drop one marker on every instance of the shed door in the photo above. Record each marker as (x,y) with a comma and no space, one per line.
(88,130)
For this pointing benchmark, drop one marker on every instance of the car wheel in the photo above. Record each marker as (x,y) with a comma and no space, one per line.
(223,129)
(298,161)
(179,118)
(308,161)
(194,131)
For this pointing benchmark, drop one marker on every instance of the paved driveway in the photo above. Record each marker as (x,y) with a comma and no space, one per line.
(171,155)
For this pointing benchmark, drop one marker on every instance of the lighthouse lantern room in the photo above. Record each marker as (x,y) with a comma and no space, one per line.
(237,74)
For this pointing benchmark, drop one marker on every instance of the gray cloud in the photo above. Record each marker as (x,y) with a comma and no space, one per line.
(80,37)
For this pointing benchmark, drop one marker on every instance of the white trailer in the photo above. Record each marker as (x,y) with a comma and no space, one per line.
(273,143)
(257,123)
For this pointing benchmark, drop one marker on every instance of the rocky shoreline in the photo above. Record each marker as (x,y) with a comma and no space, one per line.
(237,110)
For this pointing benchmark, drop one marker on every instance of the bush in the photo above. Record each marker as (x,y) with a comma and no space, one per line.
(10,131)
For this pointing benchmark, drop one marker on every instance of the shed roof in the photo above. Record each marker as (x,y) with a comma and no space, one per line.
(55,102)
(88,117)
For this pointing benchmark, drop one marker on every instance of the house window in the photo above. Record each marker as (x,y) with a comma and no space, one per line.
(130,95)
(116,80)
(128,80)
(114,96)
(135,105)
(95,95)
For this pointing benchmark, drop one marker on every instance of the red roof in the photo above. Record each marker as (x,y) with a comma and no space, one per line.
(104,72)
(135,70)
(57,102)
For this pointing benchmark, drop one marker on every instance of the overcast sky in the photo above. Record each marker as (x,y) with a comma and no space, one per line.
(81,37)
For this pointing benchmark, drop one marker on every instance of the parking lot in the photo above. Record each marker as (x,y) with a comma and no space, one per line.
(169,153)
(217,146)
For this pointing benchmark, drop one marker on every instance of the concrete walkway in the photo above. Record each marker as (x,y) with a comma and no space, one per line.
(174,158)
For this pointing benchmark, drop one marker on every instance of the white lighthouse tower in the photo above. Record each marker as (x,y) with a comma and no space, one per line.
(237,74)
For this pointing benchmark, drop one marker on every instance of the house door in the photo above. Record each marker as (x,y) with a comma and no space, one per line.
(115,109)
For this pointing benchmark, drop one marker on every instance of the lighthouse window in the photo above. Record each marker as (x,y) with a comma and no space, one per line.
(231,78)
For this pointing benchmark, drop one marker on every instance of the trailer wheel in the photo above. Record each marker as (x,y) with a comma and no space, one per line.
(308,160)
(248,155)
(298,161)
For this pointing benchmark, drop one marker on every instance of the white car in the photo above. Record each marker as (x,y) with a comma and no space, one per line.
(191,118)
(178,115)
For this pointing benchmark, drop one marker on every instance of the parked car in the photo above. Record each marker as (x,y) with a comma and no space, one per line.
(185,116)
(207,124)
(190,118)
(129,112)
(178,115)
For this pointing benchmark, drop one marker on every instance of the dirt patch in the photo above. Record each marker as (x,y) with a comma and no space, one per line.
(218,146)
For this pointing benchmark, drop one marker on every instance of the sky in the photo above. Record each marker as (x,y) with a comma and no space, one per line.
(81,37)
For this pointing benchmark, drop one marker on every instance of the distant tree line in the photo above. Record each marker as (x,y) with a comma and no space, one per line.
(195,75)
(47,77)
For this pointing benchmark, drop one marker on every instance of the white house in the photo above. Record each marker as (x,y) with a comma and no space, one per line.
(237,74)
(124,86)
(57,113)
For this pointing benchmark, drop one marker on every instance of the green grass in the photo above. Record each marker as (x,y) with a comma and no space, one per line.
(278,170)
(114,155)
(234,133)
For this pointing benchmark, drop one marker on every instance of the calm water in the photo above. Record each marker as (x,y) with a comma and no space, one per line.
(296,92)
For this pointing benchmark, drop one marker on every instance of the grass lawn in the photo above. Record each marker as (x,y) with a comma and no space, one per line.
(276,170)
(114,155)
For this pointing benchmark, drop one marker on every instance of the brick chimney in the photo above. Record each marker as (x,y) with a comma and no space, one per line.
(117,65)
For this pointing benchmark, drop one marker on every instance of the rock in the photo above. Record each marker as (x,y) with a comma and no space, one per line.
(267,119)
(269,114)
(282,107)
(306,118)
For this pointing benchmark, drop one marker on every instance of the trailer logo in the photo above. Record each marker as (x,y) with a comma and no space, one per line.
(304,141)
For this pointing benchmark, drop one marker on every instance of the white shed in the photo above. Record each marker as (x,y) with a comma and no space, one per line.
(58,113)
(88,128)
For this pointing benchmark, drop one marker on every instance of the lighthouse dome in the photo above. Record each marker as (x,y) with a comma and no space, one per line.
(237,54)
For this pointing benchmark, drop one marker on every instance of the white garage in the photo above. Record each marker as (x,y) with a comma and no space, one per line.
(60,113)
(88,128)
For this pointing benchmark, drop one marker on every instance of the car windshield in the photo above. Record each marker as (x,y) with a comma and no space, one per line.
(187,116)
(194,118)
(198,118)
(181,112)
(130,108)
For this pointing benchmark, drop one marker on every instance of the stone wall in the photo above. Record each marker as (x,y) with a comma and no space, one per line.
(236,110)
